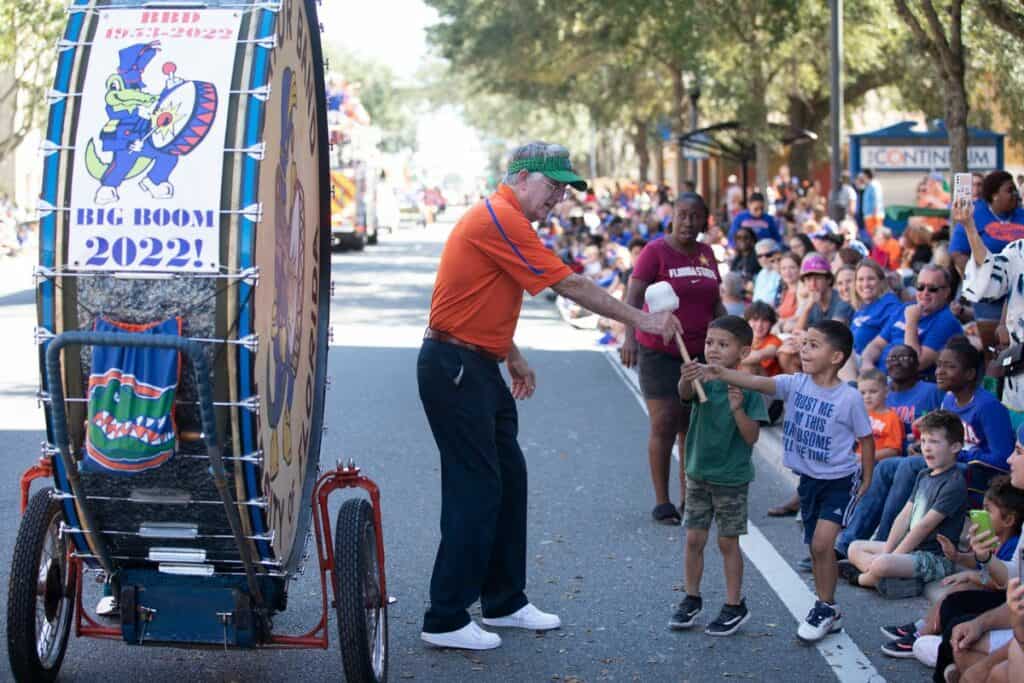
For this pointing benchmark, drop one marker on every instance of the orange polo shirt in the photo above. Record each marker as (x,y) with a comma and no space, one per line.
(485,266)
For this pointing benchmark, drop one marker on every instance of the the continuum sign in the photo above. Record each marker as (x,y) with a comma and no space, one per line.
(923,158)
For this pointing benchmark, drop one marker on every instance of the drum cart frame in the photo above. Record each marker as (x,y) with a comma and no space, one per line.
(355,562)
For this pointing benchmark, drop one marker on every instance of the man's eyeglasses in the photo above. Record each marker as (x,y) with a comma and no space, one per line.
(560,189)
(931,288)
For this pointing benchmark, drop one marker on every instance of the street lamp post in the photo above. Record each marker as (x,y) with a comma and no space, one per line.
(837,208)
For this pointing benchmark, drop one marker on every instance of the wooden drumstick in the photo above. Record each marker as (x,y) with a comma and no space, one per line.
(697,386)
(661,297)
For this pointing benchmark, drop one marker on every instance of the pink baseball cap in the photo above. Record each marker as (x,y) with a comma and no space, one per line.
(815,264)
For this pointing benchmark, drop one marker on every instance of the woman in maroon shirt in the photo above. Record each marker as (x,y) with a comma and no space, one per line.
(690,267)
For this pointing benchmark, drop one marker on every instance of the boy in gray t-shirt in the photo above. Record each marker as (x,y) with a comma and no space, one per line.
(825,417)
(936,506)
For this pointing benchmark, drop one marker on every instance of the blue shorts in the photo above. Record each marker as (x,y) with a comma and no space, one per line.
(829,499)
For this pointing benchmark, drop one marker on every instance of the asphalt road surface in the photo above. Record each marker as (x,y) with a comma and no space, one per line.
(595,556)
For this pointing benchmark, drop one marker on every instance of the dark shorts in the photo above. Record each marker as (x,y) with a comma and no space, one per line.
(830,499)
(659,372)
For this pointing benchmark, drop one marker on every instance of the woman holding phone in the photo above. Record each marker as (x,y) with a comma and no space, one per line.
(994,276)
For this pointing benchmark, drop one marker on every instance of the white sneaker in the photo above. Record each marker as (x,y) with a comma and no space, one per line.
(107,606)
(469,637)
(822,620)
(528,617)
(926,649)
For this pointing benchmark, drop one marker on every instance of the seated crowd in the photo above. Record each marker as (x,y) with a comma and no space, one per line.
(936,358)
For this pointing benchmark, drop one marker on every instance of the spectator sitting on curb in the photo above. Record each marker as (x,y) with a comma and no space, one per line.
(936,506)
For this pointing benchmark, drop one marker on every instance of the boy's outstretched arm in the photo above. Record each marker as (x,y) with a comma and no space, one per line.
(737,378)
(920,531)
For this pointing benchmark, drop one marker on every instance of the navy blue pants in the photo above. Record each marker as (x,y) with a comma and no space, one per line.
(483,487)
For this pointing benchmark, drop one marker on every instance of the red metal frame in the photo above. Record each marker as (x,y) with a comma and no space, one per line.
(342,477)
(41,470)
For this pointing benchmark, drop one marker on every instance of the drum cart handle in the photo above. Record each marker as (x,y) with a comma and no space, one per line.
(201,368)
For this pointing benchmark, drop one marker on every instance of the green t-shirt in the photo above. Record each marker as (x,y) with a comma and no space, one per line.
(715,450)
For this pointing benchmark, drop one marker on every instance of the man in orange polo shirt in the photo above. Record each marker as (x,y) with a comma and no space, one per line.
(491,257)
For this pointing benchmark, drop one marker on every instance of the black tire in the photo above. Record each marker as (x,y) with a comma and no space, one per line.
(362,620)
(372,239)
(38,543)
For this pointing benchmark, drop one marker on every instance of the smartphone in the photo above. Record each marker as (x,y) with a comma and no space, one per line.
(962,187)
(982,519)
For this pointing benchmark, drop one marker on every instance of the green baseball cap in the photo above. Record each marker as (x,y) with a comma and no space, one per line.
(556,167)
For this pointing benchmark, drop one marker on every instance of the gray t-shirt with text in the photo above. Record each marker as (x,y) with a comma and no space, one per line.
(821,427)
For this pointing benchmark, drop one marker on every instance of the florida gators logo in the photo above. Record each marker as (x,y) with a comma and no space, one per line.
(130,425)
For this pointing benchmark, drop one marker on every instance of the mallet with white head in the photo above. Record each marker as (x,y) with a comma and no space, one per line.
(661,297)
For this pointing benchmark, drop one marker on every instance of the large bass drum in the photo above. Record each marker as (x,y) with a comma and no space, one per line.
(224,228)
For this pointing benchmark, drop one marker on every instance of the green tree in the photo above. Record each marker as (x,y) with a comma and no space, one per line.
(940,37)
(391,106)
(29,30)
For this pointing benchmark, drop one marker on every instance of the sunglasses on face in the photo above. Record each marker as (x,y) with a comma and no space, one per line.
(931,288)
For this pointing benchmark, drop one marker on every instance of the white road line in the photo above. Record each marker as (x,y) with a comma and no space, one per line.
(847,661)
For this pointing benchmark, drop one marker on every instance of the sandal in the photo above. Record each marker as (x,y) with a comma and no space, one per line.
(666,513)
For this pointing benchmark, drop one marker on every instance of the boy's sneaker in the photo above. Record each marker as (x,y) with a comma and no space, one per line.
(687,613)
(822,620)
(848,572)
(899,632)
(901,649)
(729,620)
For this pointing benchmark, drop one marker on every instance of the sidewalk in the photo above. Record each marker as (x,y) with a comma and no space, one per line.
(16,271)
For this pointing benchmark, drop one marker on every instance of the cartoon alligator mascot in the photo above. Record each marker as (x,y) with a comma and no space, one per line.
(137,119)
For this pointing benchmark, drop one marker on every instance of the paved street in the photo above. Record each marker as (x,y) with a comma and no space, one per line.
(595,557)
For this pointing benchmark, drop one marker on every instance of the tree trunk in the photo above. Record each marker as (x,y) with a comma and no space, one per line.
(956,123)
(659,161)
(678,125)
(802,116)
(643,152)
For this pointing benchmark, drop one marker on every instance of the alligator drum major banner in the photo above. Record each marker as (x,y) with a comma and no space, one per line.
(150,141)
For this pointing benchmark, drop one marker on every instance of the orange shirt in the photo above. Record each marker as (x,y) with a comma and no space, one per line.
(485,266)
(787,306)
(887,428)
(770,366)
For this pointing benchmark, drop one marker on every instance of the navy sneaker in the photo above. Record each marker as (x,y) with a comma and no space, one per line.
(901,649)
(899,632)
(729,620)
(687,613)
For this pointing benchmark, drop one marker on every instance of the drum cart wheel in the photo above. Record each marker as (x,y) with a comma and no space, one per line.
(362,613)
(40,600)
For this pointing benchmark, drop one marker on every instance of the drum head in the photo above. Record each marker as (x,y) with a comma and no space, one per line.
(291,303)
(183,116)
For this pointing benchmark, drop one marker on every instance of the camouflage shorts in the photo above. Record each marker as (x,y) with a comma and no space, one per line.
(727,505)
(931,567)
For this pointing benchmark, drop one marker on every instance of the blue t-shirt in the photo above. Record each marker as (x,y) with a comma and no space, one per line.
(988,434)
(933,331)
(763,226)
(923,397)
(821,427)
(869,320)
(995,233)
(1006,550)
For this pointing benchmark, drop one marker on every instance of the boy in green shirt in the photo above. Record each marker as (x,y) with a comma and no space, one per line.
(719,446)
